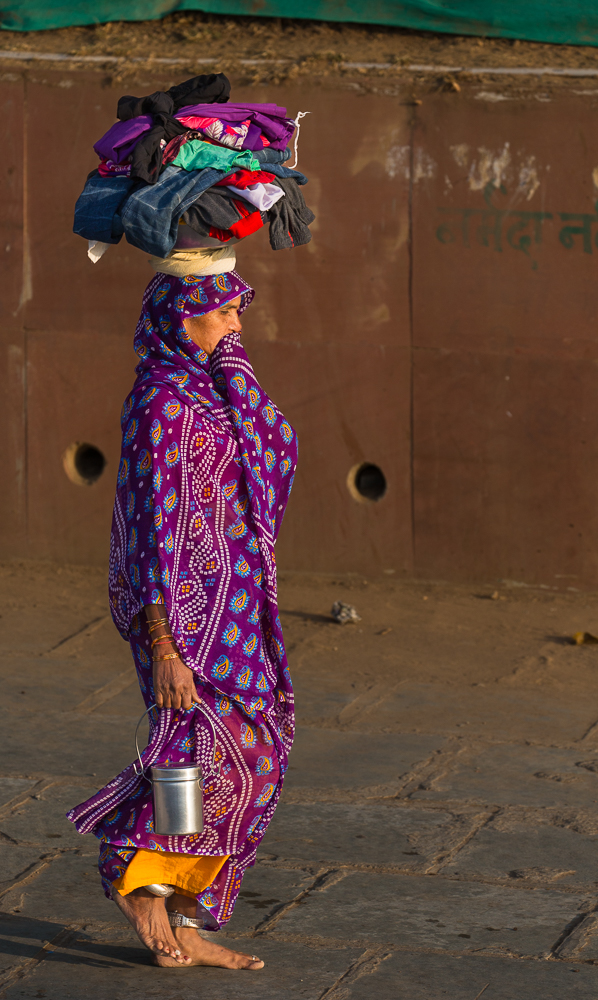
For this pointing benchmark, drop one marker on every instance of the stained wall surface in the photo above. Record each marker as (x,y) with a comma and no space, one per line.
(505,341)
(440,325)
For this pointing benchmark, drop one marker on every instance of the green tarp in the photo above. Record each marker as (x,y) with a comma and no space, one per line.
(574,22)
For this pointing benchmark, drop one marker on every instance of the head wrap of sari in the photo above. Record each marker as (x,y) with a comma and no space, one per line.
(161,334)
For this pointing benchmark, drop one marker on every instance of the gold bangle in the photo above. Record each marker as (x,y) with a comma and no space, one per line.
(169,656)
(156,622)
(161,639)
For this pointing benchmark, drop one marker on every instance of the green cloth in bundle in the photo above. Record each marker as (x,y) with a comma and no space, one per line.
(197,155)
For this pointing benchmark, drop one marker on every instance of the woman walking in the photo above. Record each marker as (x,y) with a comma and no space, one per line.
(206,469)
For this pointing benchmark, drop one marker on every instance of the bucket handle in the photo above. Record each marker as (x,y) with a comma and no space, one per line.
(213,769)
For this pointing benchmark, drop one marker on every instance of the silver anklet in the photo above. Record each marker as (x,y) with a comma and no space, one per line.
(176,919)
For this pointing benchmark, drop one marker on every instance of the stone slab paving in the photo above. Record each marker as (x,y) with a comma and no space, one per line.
(434,839)
(541,855)
(320,706)
(40,822)
(517,775)
(119,970)
(435,914)
(10,787)
(442,977)
(509,714)
(358,760)
(65,743)
(379,834)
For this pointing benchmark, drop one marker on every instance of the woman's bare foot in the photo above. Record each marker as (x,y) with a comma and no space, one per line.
(200,951)
(148,916)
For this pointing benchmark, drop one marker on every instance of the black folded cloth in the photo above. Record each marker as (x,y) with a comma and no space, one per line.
(210,88)
(146,160)
(217,208)
(289,217)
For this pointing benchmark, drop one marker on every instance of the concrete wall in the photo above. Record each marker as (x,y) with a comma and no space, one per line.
(440,325)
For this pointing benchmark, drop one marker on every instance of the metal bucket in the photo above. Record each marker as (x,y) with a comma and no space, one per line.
(177,792)
(178,797)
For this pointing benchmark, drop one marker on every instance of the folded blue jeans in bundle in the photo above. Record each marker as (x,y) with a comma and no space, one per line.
(148,214)
(96,211)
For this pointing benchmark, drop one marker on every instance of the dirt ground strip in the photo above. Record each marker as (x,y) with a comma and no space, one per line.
(194,34)
(438,829)
(278,50)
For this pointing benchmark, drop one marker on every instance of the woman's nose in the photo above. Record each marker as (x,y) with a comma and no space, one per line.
(235,325)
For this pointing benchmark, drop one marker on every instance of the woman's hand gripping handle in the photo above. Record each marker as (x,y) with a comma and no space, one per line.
(174,683)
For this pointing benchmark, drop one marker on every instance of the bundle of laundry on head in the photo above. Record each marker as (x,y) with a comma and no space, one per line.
(184,171)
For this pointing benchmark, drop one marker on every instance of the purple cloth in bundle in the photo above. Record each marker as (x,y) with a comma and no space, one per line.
(253,139)
(269,118)
(120,140)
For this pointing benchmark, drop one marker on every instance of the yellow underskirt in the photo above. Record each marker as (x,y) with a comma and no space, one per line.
(191,875)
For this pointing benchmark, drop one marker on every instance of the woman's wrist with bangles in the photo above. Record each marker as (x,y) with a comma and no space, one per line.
(154,623)
(163,645)
(162,640)
(162,648)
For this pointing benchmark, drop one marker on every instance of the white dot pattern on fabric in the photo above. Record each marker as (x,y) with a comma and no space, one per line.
(211,492)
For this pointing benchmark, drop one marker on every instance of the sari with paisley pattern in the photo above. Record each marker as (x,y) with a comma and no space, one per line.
(205,473)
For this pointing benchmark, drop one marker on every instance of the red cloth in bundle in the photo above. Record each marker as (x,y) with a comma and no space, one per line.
(246,178)
(249,223)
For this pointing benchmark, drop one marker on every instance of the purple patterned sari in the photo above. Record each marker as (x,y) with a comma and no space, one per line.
(206,469)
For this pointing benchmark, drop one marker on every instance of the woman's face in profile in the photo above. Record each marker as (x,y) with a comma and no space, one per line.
(206,331)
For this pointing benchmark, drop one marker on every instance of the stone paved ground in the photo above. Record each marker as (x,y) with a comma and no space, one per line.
(437,835)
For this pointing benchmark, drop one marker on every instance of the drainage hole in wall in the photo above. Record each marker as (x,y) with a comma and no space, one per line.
(83,463)
(366,482)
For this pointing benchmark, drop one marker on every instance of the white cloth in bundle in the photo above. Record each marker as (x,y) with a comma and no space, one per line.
(263,196)
(96,250)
